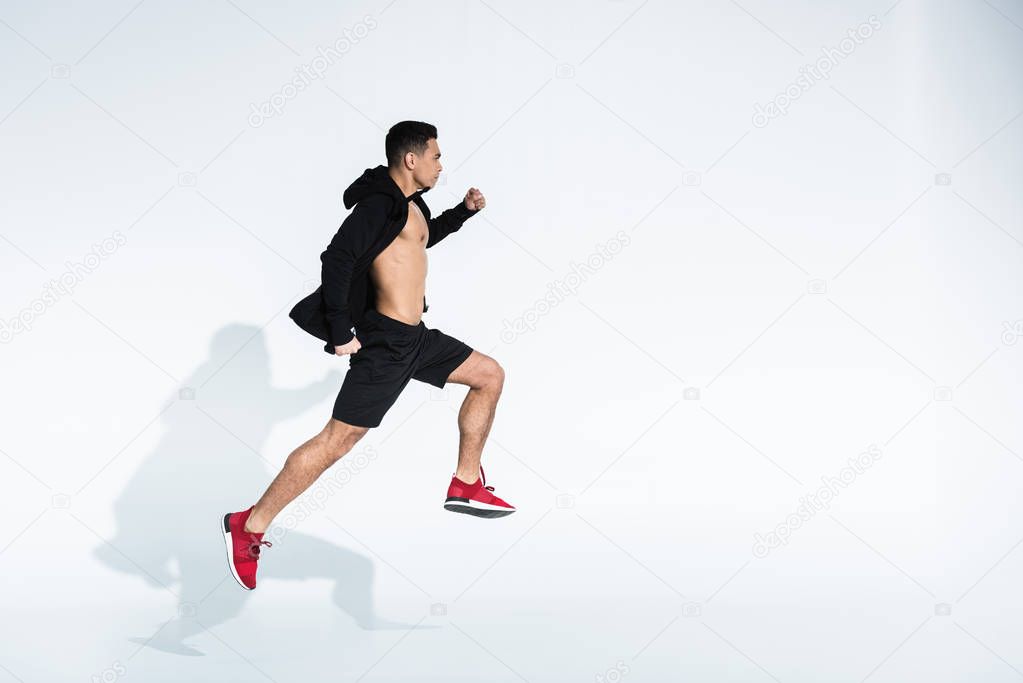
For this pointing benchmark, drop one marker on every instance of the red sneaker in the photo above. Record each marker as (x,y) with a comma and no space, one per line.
(475,499)
(242,548)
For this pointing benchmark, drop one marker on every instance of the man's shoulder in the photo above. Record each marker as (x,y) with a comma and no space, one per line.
(370,215)
(374,204)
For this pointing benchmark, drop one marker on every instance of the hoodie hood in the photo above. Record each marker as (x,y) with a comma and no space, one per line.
(372,181)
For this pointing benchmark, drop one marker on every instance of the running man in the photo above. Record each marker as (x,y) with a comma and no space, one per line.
(374,279)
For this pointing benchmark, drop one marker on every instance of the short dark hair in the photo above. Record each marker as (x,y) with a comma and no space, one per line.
(405,137)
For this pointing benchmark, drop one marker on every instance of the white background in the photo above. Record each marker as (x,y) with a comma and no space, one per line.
(791,295)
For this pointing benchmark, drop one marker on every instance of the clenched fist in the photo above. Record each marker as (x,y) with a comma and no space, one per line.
(351,347)
(474,199)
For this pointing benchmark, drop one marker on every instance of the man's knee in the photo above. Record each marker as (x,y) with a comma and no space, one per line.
(479,371)
(340,437)
(492,375)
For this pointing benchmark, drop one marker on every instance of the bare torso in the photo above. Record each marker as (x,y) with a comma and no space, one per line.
(399,272)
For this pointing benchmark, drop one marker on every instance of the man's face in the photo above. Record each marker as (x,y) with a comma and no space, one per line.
(427,168)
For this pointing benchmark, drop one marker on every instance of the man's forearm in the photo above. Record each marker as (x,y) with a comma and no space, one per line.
(448,222)
(336,276)
(350,242)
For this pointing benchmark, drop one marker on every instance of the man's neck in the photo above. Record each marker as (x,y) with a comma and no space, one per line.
(406,184)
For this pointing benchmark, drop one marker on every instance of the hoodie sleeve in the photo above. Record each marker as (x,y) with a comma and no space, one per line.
(352,240)
(448,222)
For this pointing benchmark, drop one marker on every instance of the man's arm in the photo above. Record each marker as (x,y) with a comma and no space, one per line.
(350,242)
(452,219)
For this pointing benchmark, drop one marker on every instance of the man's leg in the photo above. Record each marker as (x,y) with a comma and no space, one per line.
(305,464)
(485,379)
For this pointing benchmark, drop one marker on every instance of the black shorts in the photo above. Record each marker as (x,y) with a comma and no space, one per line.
(391,354)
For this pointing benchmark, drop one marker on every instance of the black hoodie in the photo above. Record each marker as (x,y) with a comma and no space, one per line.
(346,292)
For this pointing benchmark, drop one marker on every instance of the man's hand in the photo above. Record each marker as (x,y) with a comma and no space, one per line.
(345,349)
(474,199)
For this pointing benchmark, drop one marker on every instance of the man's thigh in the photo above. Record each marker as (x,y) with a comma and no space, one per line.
(342,435)
(478,370)
(371,386)
(441,356)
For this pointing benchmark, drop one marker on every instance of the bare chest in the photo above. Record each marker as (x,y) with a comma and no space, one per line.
(411,241)
(415,228)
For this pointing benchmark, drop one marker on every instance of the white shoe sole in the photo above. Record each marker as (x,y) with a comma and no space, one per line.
(475,508)
(226,530)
